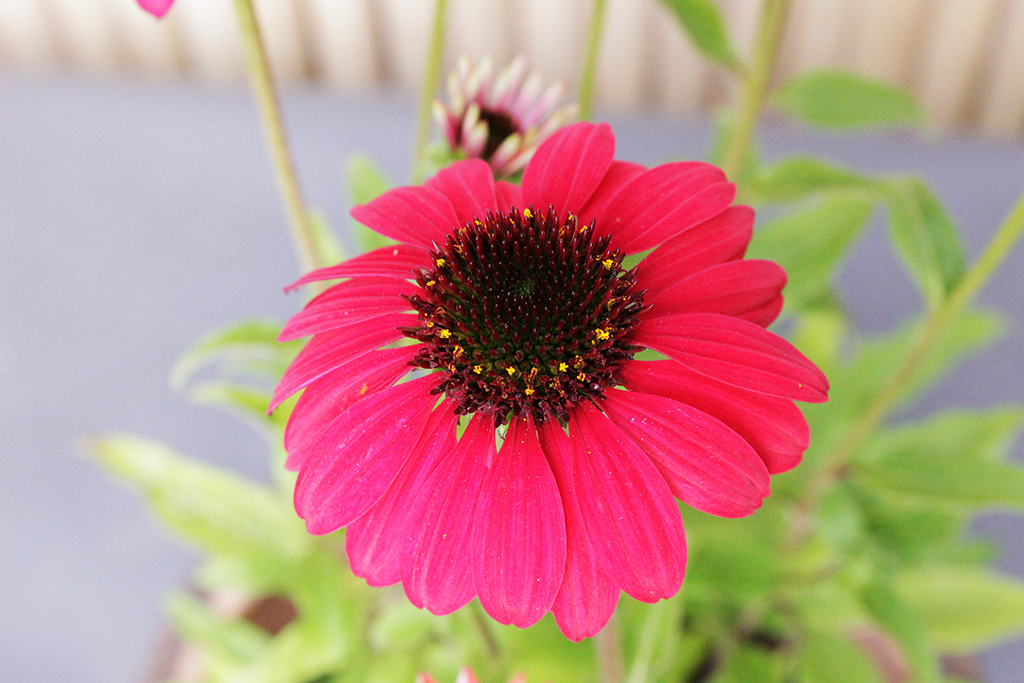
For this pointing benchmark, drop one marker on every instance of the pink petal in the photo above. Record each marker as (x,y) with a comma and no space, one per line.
(663,202)
(326,398)
(329,350)
(507,194)
(416,215)
(349,302)
(469,186)
(630,514)
(380,543)
(750,290)
(717,240)
(158,8)
(707,465)
(736,352)
(568,167)
(519,531)
(774,426)
(619,174)
(358,457)
(587,597)
(440,576)
(398,261)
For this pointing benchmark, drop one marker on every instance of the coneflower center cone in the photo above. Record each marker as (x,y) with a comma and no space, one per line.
(526,314)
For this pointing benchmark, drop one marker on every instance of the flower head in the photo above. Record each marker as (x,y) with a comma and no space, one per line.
(500,120)
(158,8)
(524,317)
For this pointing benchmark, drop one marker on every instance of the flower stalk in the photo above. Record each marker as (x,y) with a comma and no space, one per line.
(262,82)
(587,75)
(608,643)
(431,78)
(755,85)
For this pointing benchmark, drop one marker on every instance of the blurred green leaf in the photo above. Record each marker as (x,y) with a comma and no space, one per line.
(978,435)
(724,131)
(925,238)
(840,99)
(244,402)
(963,609)
(746,664)
(250,346)
(797,177)
(810,242)
(366,182)
(820,333)
(831,659)
(233,641)
(214,508)
(899,620)
(703,23)
(328,247)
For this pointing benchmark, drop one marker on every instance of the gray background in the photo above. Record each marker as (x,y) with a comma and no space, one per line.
(135,217)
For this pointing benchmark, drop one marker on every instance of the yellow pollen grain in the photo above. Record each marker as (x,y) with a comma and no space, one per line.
(478,369)
(510,370)
(458,351)
(601,334)
(608,263)
(431,283)
(430,323)
(582,377)
(440,262)
(527,213)
(477,222)
(562,367)
(444,334)
(530,391)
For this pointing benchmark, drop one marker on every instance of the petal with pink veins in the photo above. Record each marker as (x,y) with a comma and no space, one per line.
(519,531)
(619,174)
(707,465)
(736,352)
(568,167)
(774,426)
(750,290)
(717,240)
(324,400)
(630,514)
(349,302)
(357,458)
(587,597)
(440,575)
(416,215)
(663,202)
(398,261)
(380,543)
(507,194)
(469,186)
(329,350)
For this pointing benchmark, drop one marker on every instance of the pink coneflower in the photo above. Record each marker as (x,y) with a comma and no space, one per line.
(525,320)
(158,8)
(500,120)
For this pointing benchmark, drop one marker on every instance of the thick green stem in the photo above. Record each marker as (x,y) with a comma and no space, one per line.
(755,86)
(277,141)
(589,71)
(431,79)
(1006,237)
(608,643)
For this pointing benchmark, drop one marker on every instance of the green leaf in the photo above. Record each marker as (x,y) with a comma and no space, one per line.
(899,620)
(925,238)
(977,435)
(244,402)
(840,99)
(828,659)
(212,507)
(366,182)
(328,247)
(811,242)
(706,28)
(234,641)
(820,334)
(249,346)
(798,177)
(751,665)
(963,609)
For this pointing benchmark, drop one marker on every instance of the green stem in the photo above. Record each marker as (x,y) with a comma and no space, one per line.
(481,620)
(608,643)
(277,141)
(586,89)
(755,85)
(431,78)
(653,627)
(1006,238)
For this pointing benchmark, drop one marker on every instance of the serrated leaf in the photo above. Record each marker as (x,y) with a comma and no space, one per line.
(835,98)
(703,23)
(925,238)
(811,242)
(899,620)
(211,507)
(798,177)
(366,182)
(963,609)
(829,659)
(250,346)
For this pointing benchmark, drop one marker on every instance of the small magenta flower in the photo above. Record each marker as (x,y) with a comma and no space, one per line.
(500,120)
(158,8)
(525,320)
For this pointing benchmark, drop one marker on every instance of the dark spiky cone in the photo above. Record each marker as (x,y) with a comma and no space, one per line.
(529,314)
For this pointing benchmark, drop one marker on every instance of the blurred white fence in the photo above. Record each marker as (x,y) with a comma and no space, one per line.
(963,58)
